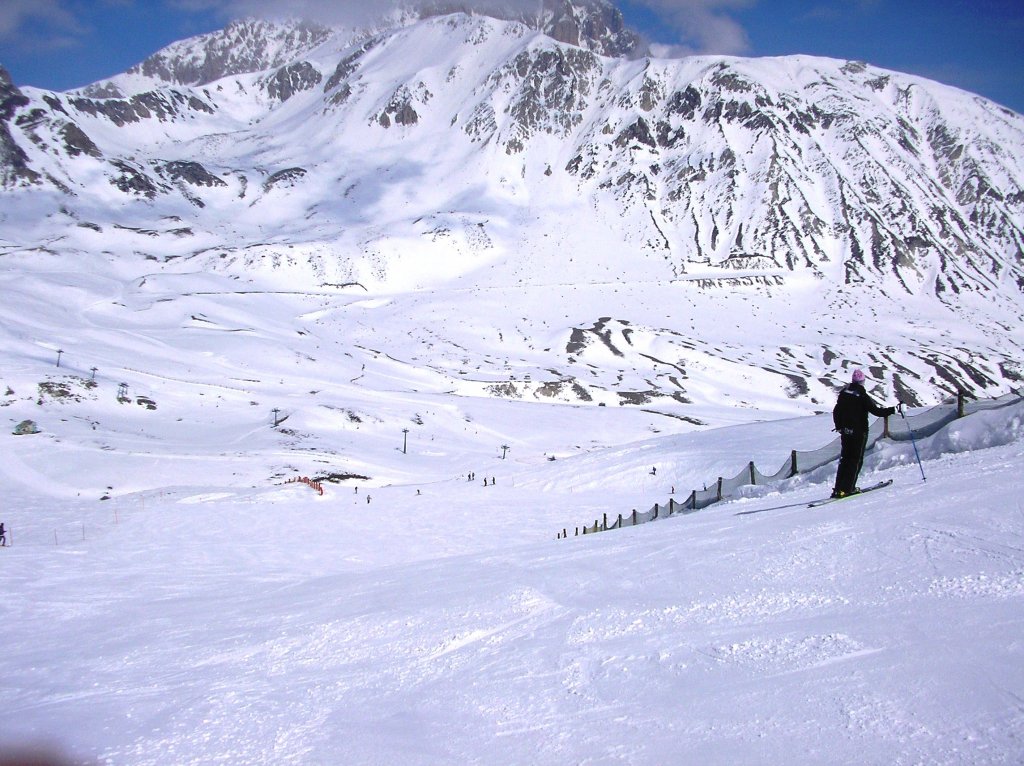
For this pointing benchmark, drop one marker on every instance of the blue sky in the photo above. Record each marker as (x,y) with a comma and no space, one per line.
(977,45)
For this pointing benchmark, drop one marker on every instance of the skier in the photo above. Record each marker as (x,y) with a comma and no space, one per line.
(3,535)
(850,417)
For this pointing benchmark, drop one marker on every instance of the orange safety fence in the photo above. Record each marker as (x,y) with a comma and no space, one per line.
(308,482)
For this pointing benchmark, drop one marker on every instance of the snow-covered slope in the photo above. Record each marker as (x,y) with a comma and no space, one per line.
(196,617)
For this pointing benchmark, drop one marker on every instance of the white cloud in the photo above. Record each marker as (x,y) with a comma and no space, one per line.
(323,11)
(38,18)
(703,26)
(40,26)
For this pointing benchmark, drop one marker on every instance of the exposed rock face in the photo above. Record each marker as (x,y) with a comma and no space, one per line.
(243,46)
(596,25)
(25,428)
(400,109)
(191,173)
(161,105)
(133,180)
(552,89)
(76,142)
(284,178)
(348,65)
(292,79)
(10,96)
(102,90)
(13,160)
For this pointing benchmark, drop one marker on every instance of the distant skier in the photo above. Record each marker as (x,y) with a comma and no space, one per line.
(850,417)
(3,535)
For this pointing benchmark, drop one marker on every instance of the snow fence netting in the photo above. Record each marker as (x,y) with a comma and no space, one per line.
(896,428)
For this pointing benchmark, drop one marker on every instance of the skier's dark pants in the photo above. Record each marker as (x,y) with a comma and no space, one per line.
(850,460)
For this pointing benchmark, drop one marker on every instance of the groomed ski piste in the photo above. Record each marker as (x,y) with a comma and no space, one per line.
(219,620)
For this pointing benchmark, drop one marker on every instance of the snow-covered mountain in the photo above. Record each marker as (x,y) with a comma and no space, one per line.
(653,224)
(488,277)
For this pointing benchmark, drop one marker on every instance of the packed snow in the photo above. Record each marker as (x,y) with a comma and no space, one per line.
(202,614)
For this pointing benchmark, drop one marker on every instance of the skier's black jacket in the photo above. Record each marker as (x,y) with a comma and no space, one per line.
(850,414)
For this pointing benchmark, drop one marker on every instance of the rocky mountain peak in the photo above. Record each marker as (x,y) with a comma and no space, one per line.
(254,45)
(247,45)
(10,95)
(596,25)
(13,160)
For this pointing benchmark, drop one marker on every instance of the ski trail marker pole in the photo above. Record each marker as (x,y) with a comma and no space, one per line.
(913,442)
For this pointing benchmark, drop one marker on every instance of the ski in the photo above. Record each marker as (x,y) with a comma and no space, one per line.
(828,500)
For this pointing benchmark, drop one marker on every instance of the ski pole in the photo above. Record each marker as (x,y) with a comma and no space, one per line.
(913,442)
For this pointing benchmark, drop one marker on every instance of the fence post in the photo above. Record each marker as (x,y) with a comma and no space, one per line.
(692,501)
(719,489)
(671,506)
(753,478)
(885,427)
(793,470)
(577,531)
(656,511)
(604,523)
(634,517)
(959,403)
